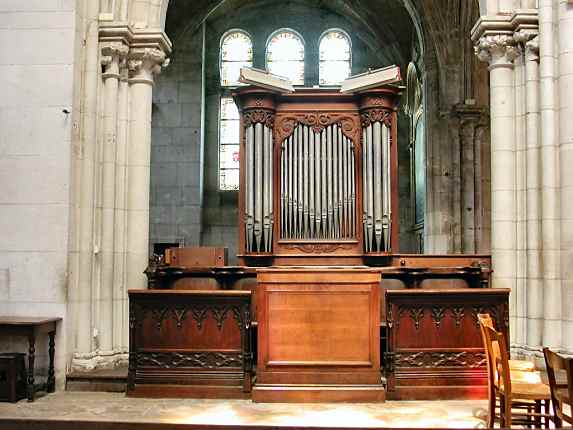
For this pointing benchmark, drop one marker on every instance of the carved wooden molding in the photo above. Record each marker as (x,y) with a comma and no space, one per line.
(199,313)
(349,124)
(201,359)
(437,315)
(458,314)
(371,116)
(252,117)
(318,248)
(491,310)
(440,359)
(416,313)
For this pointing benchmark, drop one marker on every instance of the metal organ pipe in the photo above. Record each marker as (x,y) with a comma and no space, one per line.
(258,188)
(258,231)
(249,172)
(317,188)
(376,179)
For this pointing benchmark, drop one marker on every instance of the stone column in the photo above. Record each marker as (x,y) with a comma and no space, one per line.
(551,237)
(144,63)
(112,55)
(500,51)
(120,306)
(534,322)
(471,119)
(566,163)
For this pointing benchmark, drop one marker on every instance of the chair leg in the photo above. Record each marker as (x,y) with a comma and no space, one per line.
(537,410)
(491,409)
(501,411)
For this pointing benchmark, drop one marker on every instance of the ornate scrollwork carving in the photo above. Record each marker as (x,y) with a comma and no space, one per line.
(349,124)
(220,314)
(180,313)
(458,314)
(416,313)
(199,315)
(440,359)
(376,115)
(261,116)
(202,359)
(492,311)
(437,315)
(318,248)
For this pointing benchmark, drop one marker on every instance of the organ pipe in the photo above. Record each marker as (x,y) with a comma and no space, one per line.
(258,188)
(319,165)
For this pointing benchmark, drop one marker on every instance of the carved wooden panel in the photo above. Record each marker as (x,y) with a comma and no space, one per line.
(185,338)
(435,348)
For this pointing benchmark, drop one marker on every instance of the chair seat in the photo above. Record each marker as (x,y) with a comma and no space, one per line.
(519,376)
(522,365)
(528,391)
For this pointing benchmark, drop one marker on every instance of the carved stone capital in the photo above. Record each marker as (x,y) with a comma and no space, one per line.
(532,49)
(113,54)
(497,50)
(144,63)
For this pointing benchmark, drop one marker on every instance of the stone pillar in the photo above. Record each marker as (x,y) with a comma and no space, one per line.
(144,63)
(551,237)
(120,306)
(112,56)
(500,51)
(566,163)
(471,120)
(534,322)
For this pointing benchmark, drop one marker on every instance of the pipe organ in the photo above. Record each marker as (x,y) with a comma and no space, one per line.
(318,187)
(318,176)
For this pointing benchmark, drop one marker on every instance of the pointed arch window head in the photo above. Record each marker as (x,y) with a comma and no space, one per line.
(236,52)
(335,57)
(285,55)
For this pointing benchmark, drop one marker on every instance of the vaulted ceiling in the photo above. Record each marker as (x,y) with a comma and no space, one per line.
(379,22)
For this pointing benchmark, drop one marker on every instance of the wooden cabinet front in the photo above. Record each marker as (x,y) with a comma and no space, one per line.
(318,327)
(189,343)
(435,350)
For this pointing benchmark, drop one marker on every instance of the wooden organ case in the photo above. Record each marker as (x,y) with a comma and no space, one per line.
(317,173)
(322,306)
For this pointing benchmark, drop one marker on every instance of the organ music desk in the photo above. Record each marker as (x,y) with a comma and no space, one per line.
(322,306)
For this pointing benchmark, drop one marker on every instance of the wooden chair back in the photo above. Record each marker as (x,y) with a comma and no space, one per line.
(561,393)
(500,363)
(486,321)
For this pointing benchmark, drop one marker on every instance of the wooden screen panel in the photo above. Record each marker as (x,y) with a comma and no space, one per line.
(434,344)
(314,324)
(318,326)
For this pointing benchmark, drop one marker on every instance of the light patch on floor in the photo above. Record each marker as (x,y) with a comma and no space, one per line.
(118,407)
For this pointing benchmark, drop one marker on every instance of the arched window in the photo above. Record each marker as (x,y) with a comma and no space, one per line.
(335,57)
(285,55)
(236,52)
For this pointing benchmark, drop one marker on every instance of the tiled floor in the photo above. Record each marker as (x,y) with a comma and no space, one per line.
(117,407)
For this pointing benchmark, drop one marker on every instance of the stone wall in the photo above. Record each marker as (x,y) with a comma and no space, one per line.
(36,83)
(176,147)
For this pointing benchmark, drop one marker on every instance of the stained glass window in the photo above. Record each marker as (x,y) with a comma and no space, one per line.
(285,56)
(335,57)
(229,127)
(236,52)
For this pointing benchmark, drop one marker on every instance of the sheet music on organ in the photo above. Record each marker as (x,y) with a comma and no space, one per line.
(264,79)
(372,78)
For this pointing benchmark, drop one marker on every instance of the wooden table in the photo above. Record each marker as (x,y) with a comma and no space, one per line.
(31,327)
